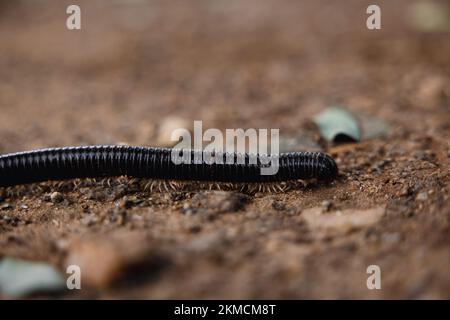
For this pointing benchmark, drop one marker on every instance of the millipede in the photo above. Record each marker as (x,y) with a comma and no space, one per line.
(54,164)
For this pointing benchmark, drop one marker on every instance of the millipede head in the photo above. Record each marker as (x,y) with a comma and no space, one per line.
(328,169)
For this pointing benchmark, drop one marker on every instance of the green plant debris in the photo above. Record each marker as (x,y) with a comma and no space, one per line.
(19,278)
(337,125)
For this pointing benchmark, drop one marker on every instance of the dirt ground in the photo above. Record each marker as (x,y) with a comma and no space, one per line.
(232,64)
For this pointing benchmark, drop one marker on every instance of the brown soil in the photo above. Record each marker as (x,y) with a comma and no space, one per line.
(232,64)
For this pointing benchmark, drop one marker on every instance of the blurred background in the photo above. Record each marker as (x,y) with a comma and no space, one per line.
(139,68)
(232,64)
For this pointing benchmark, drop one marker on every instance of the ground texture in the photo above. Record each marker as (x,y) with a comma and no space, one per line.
(232,64)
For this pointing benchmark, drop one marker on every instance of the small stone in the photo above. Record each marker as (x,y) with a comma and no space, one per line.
(136,217)
(207,241)
(13,221)
(85,208)
(405,191)
(6,206)
(125,203)
(187,209)
(391,237)
(119,191)
(56,197)
(95,195)
(145,132)
(89,220)
(118,215)
(337,223)
(219,201)
(279,206)
(326,205)
(423,196)
(298,143)
(194,228)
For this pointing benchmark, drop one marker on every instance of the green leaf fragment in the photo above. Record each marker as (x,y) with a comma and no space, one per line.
(19,278)
(337,125)
(429,16)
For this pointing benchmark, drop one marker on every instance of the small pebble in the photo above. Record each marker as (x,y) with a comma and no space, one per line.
(118,215)
(278,205)
(125,203)
(405,191)
(391,237)
(187,209)
(423,196)
(219,201)
(104,260)
(89,220)
(326,205)
(298,143)
(6,206)
(168,126)
(56,197)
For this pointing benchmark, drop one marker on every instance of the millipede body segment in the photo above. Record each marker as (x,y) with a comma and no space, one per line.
(156,163)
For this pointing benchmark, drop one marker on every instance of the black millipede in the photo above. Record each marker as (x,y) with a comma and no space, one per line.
(147,162)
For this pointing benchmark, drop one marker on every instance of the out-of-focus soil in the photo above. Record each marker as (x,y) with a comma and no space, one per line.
(232,64)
